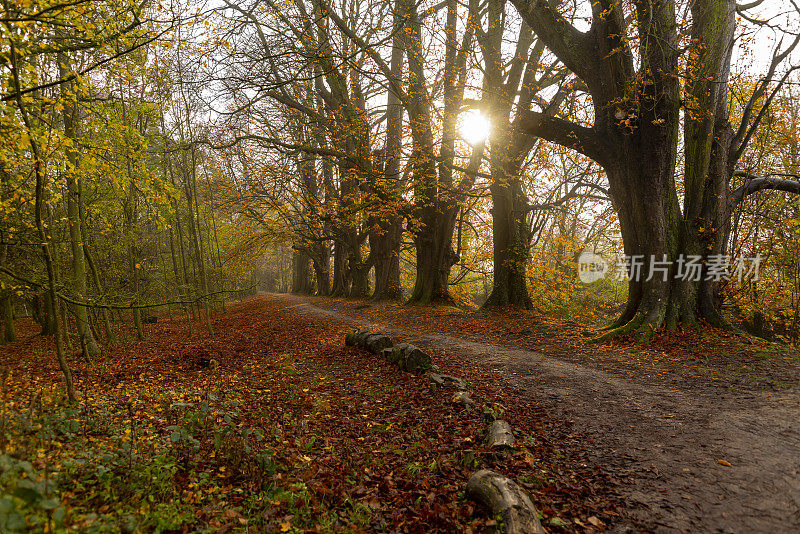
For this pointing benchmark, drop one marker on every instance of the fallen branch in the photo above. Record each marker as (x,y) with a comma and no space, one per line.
(407,357)
(507,500)
(499,435)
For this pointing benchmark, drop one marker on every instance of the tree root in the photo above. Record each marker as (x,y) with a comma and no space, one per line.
(643,326)
(627,328)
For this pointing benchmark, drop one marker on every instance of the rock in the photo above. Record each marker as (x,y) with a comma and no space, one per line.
(499,435)
(447,381)
(506,499)
(406,357)
(463,398)
(361,337)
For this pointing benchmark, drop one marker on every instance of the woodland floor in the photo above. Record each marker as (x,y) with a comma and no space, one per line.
(697,433)
(296,432)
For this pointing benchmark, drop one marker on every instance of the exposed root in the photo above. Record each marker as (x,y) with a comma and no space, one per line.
(645,333)
(643,326)
(627,328)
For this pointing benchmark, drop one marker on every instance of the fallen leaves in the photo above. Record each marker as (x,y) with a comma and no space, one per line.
(355,441)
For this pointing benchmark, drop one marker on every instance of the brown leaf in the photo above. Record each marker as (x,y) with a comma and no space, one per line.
(596,522)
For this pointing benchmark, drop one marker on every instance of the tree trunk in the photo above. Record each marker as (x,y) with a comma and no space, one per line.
(133,264)
(510,239)
(182,277)
(710,236)
(644,196)
(88,344)
(359,274)
(109,332)
(301,273)
(328,287)
(651,220)
(387,263)
(435,257)
(637,101)
(434,216)
(47,314)
(322,268)
(189,168)
(7,311)
(40,173)
(194,226)
(709,139)
(509,286)
(385,243)
(341,278)
(9,334)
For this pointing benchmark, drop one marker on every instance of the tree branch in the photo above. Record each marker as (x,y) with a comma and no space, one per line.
(565,133)
(744,7)
(746,129)
(788,183)
(573,47)
(22,92)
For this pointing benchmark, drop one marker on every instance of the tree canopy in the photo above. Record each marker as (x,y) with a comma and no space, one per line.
(452,152)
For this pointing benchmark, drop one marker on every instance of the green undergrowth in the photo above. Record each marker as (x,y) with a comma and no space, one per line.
(176,461)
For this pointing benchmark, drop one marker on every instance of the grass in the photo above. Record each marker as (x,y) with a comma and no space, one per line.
(117,465)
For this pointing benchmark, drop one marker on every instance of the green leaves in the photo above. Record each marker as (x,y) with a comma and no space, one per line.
(31,497)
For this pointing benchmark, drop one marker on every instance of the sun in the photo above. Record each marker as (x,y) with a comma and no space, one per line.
(474,126)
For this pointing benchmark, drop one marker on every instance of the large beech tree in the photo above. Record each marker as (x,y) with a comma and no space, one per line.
(631,61)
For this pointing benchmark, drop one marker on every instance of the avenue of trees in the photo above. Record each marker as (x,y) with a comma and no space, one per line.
(158,155)
(657,108)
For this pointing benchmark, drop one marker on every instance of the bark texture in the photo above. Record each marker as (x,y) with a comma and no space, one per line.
(637,101)
(506,499)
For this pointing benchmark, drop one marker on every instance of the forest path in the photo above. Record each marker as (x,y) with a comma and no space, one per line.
(662,441)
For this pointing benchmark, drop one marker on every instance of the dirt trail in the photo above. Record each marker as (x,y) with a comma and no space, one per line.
(662,441)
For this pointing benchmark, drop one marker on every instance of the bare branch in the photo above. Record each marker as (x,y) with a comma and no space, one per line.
(745,7)
(746,128)
(572,46)
(788,183)
(565,133)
